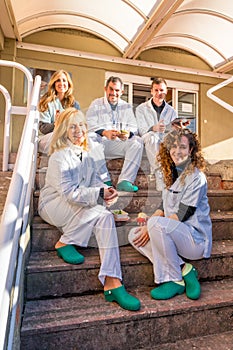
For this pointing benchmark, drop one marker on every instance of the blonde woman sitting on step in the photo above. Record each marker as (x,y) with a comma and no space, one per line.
(74,199)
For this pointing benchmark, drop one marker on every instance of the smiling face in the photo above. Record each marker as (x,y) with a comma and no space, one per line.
(113,92)
(180,150)
(76,132)
(158,92)
(61,84)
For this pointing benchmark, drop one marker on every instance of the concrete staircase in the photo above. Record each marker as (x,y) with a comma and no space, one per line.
(65,307)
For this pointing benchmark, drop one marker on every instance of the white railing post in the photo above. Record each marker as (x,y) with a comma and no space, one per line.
(15,214)
(10,109)
(25,70)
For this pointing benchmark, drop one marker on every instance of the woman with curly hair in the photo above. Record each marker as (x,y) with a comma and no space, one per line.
(58,97)
(180,228)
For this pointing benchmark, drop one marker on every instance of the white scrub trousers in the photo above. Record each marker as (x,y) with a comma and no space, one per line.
(131,150)
(78,225)
(169,241)
(152,142)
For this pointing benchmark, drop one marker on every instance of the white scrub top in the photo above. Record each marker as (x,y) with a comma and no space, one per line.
(146,116)
(192,193)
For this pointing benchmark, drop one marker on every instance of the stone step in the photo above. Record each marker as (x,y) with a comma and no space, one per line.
(89,322)
(220,200)
(49,276)
(220,341)
(44,236)
(219,176)
(112,164)
(114,167)
(143,180)
(6,175)
(143,200)
(148,201)
(5,179)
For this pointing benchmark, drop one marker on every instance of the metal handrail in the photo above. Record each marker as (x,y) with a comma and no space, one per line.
(15,218)
(217,99)
(9,109)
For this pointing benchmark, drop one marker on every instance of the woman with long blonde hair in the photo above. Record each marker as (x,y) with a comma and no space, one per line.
(74,199)
(58,97)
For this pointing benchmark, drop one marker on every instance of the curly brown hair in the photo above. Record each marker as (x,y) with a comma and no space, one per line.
(50,95)
(166,162)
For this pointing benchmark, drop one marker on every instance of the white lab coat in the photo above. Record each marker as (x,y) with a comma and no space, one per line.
(146,117)
(101,116)
(69,201)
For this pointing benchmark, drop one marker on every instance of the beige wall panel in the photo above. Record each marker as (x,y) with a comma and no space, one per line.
(2,114)
(175,57)
(74,40)
(216,125)
(7,80)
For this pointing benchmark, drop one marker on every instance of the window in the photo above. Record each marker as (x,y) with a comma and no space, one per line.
(187,108)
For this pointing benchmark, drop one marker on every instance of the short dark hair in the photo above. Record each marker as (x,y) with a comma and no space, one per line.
(113,79)
(157,80)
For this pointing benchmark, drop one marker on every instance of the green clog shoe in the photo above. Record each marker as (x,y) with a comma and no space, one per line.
(108,183)
(192,285)
(167,290)
(70,255)
(126,186)
(123,298)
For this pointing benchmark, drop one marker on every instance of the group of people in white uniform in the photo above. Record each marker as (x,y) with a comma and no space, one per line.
(78,191)
(111,120)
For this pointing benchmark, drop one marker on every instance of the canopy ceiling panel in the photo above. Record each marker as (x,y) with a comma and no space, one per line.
(207,32)
(201,27)
(221,7)
(196,47)
(123,19)
(85,24)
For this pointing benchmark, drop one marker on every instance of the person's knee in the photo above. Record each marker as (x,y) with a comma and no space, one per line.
(136,144)
(153,222)
(139,139)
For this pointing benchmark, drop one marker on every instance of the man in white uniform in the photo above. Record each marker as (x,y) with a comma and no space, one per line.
(112,131)
(154,119)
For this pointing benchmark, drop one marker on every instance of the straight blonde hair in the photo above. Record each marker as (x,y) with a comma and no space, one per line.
(60,138)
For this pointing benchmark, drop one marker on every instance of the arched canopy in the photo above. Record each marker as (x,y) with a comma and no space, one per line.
(201,27)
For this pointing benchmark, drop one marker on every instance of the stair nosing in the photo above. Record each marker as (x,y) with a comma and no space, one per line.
(112,313)
(93,263)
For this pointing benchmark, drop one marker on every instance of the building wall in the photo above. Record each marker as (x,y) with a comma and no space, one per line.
(215,123)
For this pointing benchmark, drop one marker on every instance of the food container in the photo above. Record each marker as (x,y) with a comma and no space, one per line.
(120,215)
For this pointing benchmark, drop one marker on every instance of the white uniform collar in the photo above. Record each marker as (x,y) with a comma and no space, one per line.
(75,148)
